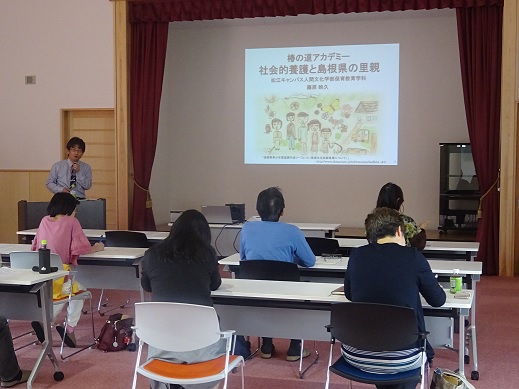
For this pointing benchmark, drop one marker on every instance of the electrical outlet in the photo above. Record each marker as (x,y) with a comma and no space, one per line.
(30,80)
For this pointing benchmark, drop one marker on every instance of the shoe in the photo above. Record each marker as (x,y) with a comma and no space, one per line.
(294,355)
(38,330)
(267,351)
(23,378)
(70,338)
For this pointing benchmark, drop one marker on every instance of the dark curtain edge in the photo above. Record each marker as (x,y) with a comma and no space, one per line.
(190,10)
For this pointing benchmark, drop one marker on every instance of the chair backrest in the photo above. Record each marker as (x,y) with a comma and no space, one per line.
(175,326)
(320,246)
(29,259)
(91,214)
(126,239)
(374,327)
(261,269)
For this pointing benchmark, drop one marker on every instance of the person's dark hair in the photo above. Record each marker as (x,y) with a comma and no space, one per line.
(189,240)
(390,196)
(382,222)
(270,204)
(75,141)
(62,203)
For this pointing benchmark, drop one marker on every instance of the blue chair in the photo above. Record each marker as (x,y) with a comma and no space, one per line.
(377,328)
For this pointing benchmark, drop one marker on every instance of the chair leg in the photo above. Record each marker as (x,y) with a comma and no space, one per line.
(301,371)
(330,357)
(252,354)
(111,309)
(28,344)
(100,303)
(63,358)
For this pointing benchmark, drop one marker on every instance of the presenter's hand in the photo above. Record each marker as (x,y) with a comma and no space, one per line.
(75,167)
(98,247)
(66,190)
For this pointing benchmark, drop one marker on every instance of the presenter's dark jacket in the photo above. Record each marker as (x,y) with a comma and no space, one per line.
(180,281)
(392,274)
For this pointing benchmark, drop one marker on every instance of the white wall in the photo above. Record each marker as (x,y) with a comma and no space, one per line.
(68,46)
(199,157)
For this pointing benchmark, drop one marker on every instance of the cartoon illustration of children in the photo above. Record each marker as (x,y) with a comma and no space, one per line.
(315,127)
(302,132)
(326,133)
(277,136)
(291,130)
(267,128)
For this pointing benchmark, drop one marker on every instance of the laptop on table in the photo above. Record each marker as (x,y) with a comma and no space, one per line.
(217,214)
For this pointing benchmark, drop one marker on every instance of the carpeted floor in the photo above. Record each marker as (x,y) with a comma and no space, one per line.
(497,334)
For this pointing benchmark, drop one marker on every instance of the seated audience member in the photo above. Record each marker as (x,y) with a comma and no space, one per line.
(391,196)
(184,269)
(65,237)
(10,372)
(270,239)
(387,272)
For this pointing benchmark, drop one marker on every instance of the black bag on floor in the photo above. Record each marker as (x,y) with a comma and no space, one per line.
(116,333)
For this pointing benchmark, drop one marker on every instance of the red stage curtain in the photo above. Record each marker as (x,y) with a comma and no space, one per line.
(170,11)
(147,61)
(479,35)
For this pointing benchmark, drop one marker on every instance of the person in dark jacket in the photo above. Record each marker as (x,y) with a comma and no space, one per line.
(184,269)
(386,271)
(391,196)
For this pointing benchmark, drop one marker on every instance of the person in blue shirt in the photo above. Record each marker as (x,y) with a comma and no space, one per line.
(270,239)
(71,175)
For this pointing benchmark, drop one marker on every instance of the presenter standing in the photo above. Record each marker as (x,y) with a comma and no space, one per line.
(71,175)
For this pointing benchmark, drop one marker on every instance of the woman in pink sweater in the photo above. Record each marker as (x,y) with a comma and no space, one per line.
(65,237)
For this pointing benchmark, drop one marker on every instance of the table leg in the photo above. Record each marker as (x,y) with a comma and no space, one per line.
(46,308)
(474,374)
(461,346)
(301,371)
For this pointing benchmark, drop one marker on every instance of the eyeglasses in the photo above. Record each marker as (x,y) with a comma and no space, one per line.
(76,149)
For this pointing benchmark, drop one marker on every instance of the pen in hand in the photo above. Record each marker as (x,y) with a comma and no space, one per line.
(99,246)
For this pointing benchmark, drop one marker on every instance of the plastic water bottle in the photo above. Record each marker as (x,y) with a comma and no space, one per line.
(44,258)
(456,281)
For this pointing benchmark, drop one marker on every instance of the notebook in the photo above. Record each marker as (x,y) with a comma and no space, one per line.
(217,214)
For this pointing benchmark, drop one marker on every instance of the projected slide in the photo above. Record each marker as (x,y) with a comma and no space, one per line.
(335,105)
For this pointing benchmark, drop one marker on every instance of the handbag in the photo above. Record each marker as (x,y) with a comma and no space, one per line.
(447,379)
(116,333)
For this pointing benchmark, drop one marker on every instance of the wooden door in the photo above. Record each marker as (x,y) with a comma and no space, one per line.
(97,128)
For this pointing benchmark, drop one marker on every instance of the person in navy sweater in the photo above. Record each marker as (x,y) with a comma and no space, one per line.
(386,271)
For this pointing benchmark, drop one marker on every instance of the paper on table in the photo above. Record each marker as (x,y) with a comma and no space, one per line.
(328,260)
(462,294)
(338,291)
